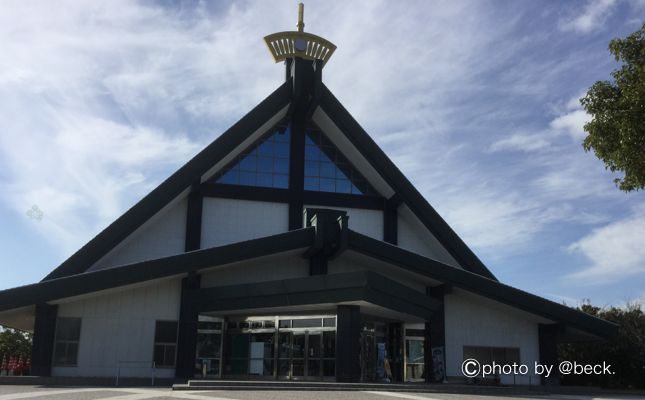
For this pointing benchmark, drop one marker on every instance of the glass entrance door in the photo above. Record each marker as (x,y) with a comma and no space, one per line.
(209,347)
(314,340)
(300,355)
(298,343)
(414,354)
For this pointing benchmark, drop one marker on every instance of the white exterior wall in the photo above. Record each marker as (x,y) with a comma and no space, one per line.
(367,222)
(414,236)
(475,321)
(120,326)
(164,235)
(281,266)
(226,221)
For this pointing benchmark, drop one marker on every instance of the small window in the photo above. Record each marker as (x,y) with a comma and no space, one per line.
(165,343)
(307,323)
(68,335)
(329,322)
(415,332)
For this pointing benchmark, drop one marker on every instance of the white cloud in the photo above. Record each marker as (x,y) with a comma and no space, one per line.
(592,17)
(572,124)
(613,252)
(521,142)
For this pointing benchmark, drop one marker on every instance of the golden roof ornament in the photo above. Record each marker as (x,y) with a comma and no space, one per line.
(287,44)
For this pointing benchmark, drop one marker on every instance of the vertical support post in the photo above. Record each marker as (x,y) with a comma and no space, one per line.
(548,342)
(42,347)
(303,81)
(194,219)
(296,172)
(390,220)
(348,349)
(435,355)
(395,339)
(187,335)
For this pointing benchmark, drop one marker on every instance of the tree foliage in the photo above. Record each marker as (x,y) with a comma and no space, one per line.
(14,343)
(625,352)
(616,133)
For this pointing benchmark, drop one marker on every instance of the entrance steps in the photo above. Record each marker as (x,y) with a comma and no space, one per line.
(342,386)
(298,385)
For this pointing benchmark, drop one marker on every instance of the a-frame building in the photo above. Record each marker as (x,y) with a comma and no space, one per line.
(289,248)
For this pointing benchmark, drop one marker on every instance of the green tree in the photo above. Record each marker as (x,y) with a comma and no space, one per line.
(625,352)
(616,133)
(14,343)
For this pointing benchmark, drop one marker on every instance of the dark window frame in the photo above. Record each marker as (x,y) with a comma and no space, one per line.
(165,345)
(67,342)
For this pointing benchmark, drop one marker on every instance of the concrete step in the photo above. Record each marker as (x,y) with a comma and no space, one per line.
(341,386)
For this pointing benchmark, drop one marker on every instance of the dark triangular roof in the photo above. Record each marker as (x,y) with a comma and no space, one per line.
(192,172)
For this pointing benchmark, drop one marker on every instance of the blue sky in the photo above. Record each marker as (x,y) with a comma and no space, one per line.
(476,102)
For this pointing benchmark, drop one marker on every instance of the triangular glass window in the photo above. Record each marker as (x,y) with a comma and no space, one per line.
(327,170)
(264,164)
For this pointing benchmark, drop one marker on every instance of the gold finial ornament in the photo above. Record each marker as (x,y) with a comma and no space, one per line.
(287,44)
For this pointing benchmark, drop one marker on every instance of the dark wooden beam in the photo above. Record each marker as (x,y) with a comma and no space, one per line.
(240,192)
(194,219)
(343,200)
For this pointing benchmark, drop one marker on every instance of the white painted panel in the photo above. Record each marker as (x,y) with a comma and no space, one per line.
(367,222)
(276,267)
(227,221)
(414,236)
(163,235)
(120,326)
(476,321)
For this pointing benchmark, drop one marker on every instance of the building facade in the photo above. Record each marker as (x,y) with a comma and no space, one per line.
(291,247)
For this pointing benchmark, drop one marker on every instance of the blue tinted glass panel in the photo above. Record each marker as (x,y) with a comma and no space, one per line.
(327,170)
(343,186)
(312,183)
(327,185)
(264,164)
(280,181)
(281,165)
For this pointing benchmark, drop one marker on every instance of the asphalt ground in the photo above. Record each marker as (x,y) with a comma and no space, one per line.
(8,392)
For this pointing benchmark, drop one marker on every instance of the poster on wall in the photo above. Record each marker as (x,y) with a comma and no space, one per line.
(380,361)
(438,367)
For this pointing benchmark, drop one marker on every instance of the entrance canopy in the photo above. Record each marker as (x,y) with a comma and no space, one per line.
(363,286)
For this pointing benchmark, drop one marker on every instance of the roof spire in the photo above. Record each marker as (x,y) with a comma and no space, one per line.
(301,17)
(290,44)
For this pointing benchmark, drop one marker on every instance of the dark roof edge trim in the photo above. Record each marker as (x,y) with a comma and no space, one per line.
(478,284)
(154,201)
(401,185)
(75,285)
